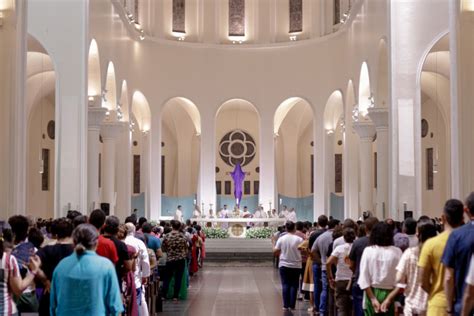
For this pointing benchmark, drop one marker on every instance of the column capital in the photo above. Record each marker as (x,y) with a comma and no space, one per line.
(380,117)
(111,130)
(94,101)
(95,117)
(365,129)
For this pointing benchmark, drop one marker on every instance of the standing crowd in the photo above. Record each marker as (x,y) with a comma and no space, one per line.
(95,265)
(380,267)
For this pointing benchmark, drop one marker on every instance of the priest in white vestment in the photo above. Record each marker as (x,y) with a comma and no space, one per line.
(291,217)
(178,214)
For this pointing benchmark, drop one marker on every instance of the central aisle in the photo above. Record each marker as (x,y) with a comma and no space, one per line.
(229,291)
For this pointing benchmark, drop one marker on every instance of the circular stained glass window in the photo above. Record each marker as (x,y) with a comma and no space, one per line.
(237,147)
(424,128)
(51,130)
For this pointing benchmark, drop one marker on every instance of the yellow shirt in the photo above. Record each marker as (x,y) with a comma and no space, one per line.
(430,260)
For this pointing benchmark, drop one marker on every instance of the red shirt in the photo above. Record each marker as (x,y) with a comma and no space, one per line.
(106,248)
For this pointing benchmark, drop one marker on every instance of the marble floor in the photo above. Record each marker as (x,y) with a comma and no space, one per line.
(234,291)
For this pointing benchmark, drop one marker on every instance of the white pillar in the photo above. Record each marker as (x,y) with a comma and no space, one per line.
(267,162)
(154,139)
(319,200)
(96,116)
(110,132)
(456,154)
(350,165)
(366,131)
(13,122)
(207,161)
(46,21)
(209,23)
(145,173)
(380,118)
(124,173)
(329,169)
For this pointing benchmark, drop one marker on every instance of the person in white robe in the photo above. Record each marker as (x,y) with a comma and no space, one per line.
(178,214)
(284,212)
(224,213)
(291,217)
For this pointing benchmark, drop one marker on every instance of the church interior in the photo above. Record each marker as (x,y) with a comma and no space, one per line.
(338,107)
(329,107)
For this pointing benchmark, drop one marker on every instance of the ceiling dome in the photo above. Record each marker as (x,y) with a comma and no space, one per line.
(235,22)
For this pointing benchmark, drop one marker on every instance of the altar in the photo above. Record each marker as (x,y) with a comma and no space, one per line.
(237,227)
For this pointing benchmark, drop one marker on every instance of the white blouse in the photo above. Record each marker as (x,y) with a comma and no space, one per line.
(378,267)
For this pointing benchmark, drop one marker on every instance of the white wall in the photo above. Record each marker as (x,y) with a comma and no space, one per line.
(210,74)
(433,200)
(413,34)
(229,119)
(39,202)
(181,151)
(54,24)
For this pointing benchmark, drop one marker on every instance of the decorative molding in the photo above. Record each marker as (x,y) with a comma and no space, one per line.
(365,129)
(110,131)
(236,147)
(379,117)
(96,116)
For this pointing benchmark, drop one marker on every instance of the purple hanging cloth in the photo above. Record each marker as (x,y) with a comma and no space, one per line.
(238,176)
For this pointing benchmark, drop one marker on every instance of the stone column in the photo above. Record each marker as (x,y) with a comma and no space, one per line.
(329,169)
(145,173)
(71,93)
(13,122)
(366,131)
(110,132)
(207,162)
(380,118)
(123,169)
(95,118)
(267,162)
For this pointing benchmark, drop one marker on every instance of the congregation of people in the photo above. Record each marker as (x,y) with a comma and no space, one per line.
(377,266)
(96,264)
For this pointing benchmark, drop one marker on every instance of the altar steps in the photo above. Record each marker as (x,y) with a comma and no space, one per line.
(234,250)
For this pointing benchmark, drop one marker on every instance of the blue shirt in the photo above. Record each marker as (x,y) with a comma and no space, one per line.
(153,242)
(85,285)
(457,255)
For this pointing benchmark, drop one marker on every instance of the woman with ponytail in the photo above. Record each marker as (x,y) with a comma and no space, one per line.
(85,283)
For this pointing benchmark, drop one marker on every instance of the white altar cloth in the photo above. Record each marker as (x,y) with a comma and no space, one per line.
(238,225)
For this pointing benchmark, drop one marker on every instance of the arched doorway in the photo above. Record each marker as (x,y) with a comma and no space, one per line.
(180,150)
(237,140)
(41,145)
(294,157)
(140,123)
(435,128)
(333,155)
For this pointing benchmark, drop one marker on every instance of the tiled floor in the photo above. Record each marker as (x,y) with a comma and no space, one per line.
(234,291)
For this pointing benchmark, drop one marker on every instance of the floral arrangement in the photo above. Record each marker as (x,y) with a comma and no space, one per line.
(215,233)
(260,232)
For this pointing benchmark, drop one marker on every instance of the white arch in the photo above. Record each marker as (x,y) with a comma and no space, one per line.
(124,104)
(38,63)
(364,89)
(350,95)
(282,111)
(333,111)
(189,107)
(383,75)
(110,101)
(141,111)
(237,104)
(94,86)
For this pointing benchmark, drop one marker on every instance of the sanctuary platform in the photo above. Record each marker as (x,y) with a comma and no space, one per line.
(239,250)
